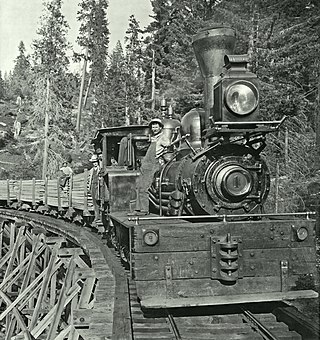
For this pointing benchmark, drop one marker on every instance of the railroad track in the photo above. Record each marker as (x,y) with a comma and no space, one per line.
(253,322)
(242,325)
(116,312)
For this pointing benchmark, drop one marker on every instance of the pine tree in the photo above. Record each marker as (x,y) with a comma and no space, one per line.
(284,46)
(2,87)
(94,37)
(21,84)
(177,73)
(50,74)
(136,76)
(116,88)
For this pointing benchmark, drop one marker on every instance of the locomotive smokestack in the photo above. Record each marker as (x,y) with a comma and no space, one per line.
(210,46)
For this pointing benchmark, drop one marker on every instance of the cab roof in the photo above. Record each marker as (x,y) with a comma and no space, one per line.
(120,131)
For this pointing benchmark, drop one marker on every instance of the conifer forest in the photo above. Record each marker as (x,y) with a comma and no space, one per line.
(127,84)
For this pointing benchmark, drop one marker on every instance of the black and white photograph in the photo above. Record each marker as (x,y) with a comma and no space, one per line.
(159,169)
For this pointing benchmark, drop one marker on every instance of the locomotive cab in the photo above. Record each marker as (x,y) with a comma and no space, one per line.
(127,145)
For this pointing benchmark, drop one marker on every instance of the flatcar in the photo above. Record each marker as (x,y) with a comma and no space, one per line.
(206,239)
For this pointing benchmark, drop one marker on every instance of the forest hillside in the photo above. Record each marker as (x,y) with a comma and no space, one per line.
(40,99)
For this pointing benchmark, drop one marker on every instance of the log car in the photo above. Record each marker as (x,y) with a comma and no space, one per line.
(74,200)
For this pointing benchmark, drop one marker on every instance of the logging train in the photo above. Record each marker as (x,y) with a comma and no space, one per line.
(206,240)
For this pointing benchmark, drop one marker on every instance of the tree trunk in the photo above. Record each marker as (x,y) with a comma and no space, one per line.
(153,83)
(46,131)
(81,89)
(253,37)
(317,114)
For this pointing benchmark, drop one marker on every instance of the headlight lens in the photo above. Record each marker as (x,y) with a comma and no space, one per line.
(242,98)
(150,237)
(302,233)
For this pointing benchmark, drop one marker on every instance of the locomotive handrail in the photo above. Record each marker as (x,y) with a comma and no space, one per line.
(173,143)
(221,217)
(271,122)
(264,127)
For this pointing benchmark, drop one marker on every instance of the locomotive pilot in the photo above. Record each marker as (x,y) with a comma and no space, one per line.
(149,165)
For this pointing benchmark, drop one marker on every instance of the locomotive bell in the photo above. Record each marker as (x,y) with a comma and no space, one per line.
(236,94)
(210,46)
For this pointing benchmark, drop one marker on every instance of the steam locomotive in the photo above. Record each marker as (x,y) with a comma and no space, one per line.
(206,239)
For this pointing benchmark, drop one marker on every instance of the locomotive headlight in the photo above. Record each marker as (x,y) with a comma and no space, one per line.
(302,233)
(241,98)
(150,237)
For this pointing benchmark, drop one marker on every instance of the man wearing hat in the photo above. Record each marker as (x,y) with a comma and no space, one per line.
(66,173)
(94,185)
(149,165)
(158,137)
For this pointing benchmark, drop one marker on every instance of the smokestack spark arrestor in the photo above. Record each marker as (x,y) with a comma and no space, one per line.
(210,46)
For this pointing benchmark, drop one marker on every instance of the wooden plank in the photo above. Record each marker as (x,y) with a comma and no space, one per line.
(85,300)
(8,192)
(46,320)
(208,287)
(19,240)
(154,302)
(31,263)
(52,289)
(44,287)
(63,334)
(85,193)
(61,301)
(23,294)
(59,195)
(121,312)
(197,264)
(254,234)
(1,238)
(33,192)
(80,263)
(70,251)
(16,273)
(89,317)
(46,192)
(12,231)
(18,317)
(70,190)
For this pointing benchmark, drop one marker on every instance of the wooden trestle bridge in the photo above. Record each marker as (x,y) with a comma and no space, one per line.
(55,282)
(59,280)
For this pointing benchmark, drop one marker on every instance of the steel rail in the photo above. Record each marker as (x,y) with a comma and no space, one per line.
(258,326)
(173,326)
